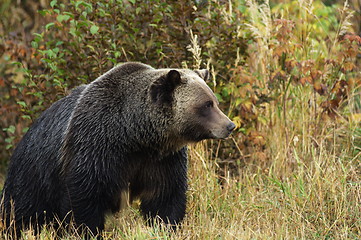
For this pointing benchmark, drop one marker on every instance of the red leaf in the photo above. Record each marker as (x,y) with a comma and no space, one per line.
(320,88)
(304,80)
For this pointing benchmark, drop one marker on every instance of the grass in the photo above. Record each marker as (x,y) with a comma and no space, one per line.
(302,196)
(308,192)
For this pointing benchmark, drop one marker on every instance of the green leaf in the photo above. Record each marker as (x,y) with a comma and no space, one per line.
(37,39)
(73,31)
(242,130)
(137,10)
(117,54)
(49,25)
(22,104)
(78,3)
(90,47)
(238,101)
(26,117)
(101,12)
(53,3)
(10,129)
(61,18)
(94,29)
(43,12)
(56,50)
(38,35)
(34,44)
(9,139)
(219,97)
(225,92)
(58,43)
(88,6)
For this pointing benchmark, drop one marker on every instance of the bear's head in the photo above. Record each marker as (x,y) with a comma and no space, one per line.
(193,105)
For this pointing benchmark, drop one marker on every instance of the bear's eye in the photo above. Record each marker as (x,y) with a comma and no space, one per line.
(208,104)
(205,109)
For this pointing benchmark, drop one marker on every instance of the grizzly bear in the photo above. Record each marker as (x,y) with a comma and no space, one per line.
(125,131)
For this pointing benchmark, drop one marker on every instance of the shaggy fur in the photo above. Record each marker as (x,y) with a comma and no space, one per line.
(125,131)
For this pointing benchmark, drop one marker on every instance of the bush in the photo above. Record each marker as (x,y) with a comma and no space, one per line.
(265,62)
(83,39)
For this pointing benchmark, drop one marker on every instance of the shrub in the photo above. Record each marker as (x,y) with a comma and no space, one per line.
(271,65)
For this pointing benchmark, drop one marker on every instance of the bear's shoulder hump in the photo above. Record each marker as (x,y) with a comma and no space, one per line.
(131,67)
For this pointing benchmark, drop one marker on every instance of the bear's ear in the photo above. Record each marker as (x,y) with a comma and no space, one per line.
(162,89)
(203,73)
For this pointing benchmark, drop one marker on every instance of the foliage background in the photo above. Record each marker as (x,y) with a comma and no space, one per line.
(286,72)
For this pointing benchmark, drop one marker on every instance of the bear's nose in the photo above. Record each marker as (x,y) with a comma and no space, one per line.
(231,126)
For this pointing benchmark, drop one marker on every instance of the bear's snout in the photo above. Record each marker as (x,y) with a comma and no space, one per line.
(223,129)
(228,130)
(231,126)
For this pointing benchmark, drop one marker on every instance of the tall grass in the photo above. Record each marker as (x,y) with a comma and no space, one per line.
(310,186)
(308,196)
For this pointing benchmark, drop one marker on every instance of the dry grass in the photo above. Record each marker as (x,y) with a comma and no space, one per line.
(309,189)
(308,192)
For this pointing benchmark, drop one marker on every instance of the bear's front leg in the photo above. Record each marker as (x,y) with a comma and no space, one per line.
(83,205)
(165,189)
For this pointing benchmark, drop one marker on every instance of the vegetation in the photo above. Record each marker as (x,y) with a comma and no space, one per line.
(288,73)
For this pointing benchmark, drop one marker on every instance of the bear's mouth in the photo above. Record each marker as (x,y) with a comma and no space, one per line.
(222,134)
